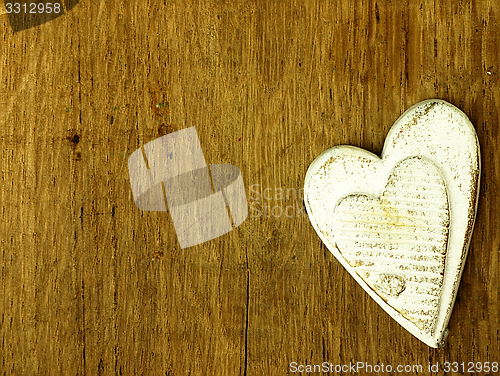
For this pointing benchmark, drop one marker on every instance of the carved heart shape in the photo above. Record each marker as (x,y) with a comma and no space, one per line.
(401,224)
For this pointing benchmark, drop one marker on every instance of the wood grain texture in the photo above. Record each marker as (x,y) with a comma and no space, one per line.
(92,285)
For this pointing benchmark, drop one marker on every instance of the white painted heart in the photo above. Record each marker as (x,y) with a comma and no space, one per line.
(401,224)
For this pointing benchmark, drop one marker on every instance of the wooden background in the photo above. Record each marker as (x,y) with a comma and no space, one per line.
(92,285)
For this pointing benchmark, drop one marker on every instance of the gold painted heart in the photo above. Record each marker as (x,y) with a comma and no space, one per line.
(401,223)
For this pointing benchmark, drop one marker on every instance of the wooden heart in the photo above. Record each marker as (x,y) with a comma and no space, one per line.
(401,224)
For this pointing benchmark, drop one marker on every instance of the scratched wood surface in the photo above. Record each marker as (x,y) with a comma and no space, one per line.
(92,285)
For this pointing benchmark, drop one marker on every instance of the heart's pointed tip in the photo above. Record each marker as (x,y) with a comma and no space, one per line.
(433,342)
(442,342)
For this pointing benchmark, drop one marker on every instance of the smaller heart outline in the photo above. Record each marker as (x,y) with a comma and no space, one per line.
(397,242)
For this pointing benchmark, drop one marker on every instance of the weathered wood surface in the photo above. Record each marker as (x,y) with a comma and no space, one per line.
(92,285)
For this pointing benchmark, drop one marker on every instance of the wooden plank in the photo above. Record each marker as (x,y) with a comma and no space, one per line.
(92,285)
